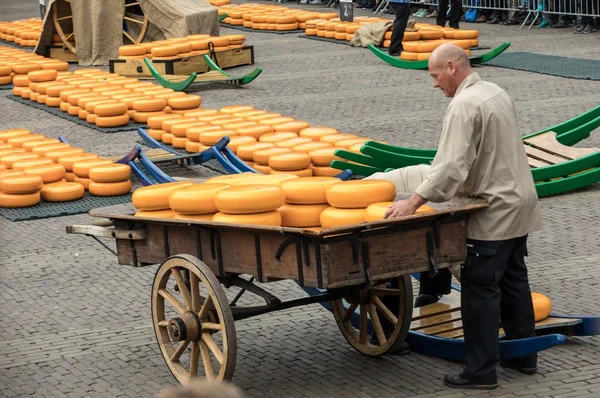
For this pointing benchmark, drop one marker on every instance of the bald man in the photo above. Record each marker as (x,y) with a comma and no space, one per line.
(481,154)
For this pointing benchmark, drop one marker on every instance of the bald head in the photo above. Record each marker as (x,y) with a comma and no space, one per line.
(449,65)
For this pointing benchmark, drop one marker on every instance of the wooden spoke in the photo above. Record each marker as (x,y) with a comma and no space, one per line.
(206,361)
(380,291)
(376,324)
(183,289)
(70,35)
(212,345)
(180,349)
(163,324)
(132,4)
(350,311)
(194,358)
(172,300)
(129,36)
(205,307)
(362,339)
(196,302)
(211,326)
(388,314)
(64,18)
(133,20)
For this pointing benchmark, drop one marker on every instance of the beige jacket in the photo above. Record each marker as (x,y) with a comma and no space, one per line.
(481,154)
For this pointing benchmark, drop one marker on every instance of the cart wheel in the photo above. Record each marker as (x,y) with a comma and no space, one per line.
(62,17)
(192,320)
(388,307)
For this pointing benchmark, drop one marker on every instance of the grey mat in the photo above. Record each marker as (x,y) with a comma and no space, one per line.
(347,43)
(245,29)
(6,87)
(12,44)
(574,68)
(59,209)
(64,115)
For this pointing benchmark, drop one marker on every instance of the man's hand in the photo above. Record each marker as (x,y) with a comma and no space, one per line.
(405,207)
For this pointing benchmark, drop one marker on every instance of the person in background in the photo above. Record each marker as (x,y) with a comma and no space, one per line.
(202,388)
(402,10)
(456,12)
(481,154)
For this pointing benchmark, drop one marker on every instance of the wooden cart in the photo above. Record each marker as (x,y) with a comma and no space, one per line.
(363,268)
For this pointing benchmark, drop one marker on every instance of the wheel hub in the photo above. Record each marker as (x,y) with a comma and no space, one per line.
(188,327)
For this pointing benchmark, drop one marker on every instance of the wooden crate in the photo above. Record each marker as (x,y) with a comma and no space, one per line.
(63,54)
(183,66)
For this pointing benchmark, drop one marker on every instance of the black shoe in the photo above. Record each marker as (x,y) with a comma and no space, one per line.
(589,29)
(394,54)
(579,28)
(426,299)
(494,21)
(513,363)
(458,381)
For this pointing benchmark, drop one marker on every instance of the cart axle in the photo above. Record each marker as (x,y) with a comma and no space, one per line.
(188,327)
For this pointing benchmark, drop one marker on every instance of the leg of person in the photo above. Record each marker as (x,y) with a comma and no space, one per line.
(442,12)
(516,308)
(432,288)
(402,11)
(406,179)
(456,12)
(480,310)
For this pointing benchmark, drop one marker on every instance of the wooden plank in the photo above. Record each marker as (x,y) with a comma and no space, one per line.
(536,163)
(544,156)
(63,54)
(548,143)
(444,327)
(552,322)
(448,303)
(453,334)
(435,320)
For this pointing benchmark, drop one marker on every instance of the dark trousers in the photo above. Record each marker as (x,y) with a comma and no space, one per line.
(494,286)
(455,13)
(402,11)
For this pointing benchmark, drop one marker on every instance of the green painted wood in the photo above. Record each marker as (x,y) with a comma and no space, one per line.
(360,158)
(566,184)
(357,169)
(566,168)
(393,159)
(163,81)
(429,153)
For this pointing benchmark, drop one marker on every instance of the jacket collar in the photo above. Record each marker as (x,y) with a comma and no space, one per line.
(469,81)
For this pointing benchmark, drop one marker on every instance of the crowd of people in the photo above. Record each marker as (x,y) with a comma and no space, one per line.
(579,24)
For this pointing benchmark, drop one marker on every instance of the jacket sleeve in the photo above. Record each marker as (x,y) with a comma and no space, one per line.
(453,160)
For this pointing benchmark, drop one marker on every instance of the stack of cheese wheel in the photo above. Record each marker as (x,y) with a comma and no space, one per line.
(249,204)
(6,74)
(269,17)
(81,169)
(376,211)
(153,201)
(181,47)
(24,32)
(196,202)
(181,105)
(110,179)
(419,45)
(305,200)
(333,28)
(349,200)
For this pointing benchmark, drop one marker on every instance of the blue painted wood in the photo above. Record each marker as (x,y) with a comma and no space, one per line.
(156,173)
(589,326)
(131,155)
(140,174)
(345,175)
(152,143)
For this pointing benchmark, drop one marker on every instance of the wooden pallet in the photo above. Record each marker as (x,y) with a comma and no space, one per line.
(183,66)
(63,54)
(544,150)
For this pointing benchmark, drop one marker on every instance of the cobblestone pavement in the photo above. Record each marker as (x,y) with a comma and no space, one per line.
(77,324)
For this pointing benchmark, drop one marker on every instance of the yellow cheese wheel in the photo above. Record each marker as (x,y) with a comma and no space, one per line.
(82,168)
(142,117)
(85,182)
(9,160)
(300,173)
(460,34)
(376,211)
(269,218)
(42,75)
(155,122)
(91,118)
(180,129)
(292,126)
(55,155)
(276,120)
(8,200)
(325,171)
(248,113)
(73,110)
(431,34)
(409,56)
(112,121)
(201,112)
(112,172)
(310,146)
(26,93)
(289,161)
(232,123)
(423,56)
(230,179)
(233,109)
(542,306)
(164,51)
(11,151)
(271,179)
(110,188)
(167,138)
(83,114)
(179,142)
(193,146)
(194,217)
(287,26)
(21,81)
(261,168)
(23,164)
(254,131)
(308,190)
(237,141)
(333,217)
(246,152)
(196,198)
(301,216)
(262,116)
(168,213)
(187,102)
(156,197)
(90,106)
(55,89)
(277,136)
(323,156)
(110,109)
(43,149)
(316,132)
(22,184)
(5,135)
(17,90)
(292,142)
(63,192)
(168,123)
(345,144)
(360,193)
(246,199)
(29,145)
(9,174)
(149,105)
(68,160)
(70,176)
(132,49)
(49,172)
(428,46)
(262,156)
(213,137)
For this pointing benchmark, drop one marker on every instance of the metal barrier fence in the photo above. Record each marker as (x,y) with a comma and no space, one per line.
(588,8)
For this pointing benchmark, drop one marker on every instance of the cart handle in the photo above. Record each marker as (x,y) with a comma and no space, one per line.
(105,229)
